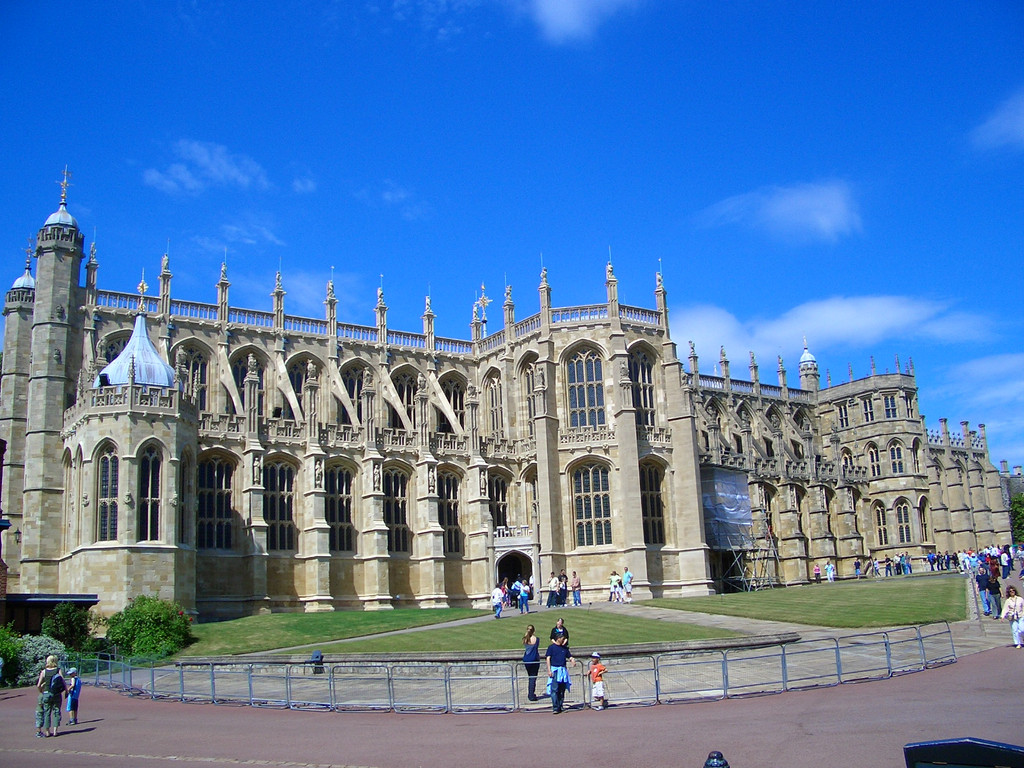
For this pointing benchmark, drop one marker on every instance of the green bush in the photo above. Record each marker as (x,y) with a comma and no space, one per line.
(150,627)
(9,645)
(32,655)
(70,624)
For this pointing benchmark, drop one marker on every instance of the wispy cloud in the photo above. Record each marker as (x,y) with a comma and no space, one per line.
(565,20)
(245,229)
(823,210)
(204,164)
(303,185)
(397,197)
(1004,127)
(839,321)
(993,386)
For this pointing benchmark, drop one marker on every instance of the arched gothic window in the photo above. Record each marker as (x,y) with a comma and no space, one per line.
(922,517)
(592,505)
(279,505)
(896,458)
(405,384)
(106,495)
(529,382)
(187,489)
(497,500)
(214,514)
(903,521)
(149,495)
(874,462)
(448,511)
(297,372)
(396,502)
(196,364)
(352,378)
(239,370)
(114,347)
(495,413)
(641,373)
(455,394)
(881,526)
(652,503)
(847,462)
(586,390)
(338,510)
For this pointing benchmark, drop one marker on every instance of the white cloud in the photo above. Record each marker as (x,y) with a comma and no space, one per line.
(304,185)
(993,386)
(823,210)
(1004,128)
(839,321)
(204,164)
(563,20)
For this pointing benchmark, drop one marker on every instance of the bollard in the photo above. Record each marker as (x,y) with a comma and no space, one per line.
(715,760)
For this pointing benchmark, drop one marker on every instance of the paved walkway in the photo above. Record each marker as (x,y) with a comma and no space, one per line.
(856,725)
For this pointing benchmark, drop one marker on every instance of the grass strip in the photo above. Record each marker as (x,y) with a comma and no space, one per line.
(895,601)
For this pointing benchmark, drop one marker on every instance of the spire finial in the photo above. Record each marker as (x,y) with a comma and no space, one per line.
(64,184)
(29,250)
(483,301)
(142,287)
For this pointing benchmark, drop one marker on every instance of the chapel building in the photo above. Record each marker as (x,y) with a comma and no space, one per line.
(239,461)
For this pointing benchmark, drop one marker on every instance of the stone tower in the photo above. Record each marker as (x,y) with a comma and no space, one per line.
(56,342)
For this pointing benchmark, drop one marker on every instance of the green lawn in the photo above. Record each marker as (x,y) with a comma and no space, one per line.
(849,604)
(586,628)
(865,603)
(282,630)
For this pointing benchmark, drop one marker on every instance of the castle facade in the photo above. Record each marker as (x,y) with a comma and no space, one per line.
(240,461)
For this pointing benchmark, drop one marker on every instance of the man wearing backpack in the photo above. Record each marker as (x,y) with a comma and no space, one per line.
(51,689)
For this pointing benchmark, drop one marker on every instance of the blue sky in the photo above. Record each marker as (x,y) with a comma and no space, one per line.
(851,172)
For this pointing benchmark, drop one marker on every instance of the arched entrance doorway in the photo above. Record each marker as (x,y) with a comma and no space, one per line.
(513,565)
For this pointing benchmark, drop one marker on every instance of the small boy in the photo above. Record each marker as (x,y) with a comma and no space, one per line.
(73,691)
(596,672)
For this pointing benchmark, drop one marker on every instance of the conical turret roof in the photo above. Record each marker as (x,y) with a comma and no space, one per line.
(150,368)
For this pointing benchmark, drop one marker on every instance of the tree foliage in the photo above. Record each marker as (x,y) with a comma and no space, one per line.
(70,624)
(1017,517)
(9,646)
(150,627)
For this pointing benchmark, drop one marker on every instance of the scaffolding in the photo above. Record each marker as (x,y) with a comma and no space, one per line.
(740,560)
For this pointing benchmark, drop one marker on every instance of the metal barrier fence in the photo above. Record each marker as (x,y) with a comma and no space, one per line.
(503,686)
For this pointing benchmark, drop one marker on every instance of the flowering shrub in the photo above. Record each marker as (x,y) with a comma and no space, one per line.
(150,627)
(32,653)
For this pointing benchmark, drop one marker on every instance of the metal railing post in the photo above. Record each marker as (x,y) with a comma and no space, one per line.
(785,670)
(248,675)
(888,653)
(725,674)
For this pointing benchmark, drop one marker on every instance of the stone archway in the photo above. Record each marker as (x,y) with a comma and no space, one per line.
(512,565)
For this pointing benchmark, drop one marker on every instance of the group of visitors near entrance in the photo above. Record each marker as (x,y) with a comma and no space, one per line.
(558,658)
(54,691)
(518,593)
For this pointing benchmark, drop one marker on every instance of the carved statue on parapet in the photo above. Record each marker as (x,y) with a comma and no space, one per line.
(376,476)
(431,479)
(250,364)
(257,467)
(318,473)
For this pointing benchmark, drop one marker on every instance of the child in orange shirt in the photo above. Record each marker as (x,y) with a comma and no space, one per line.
(596,672)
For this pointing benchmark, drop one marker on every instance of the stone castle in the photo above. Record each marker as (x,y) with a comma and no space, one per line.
(240,461)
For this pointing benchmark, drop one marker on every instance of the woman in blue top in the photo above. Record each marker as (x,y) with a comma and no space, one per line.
(531,660)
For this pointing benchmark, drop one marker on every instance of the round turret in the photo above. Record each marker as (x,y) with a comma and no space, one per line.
(26,281)
(61,217)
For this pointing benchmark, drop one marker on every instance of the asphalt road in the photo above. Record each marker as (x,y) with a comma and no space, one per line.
(862,725)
